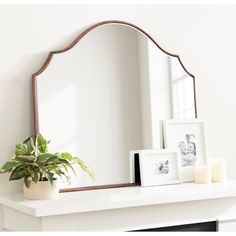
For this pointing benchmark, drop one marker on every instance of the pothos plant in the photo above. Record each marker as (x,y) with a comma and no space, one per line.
(32,161)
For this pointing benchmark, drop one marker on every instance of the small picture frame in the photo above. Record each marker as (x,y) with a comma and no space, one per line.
(159,167)
(187,137)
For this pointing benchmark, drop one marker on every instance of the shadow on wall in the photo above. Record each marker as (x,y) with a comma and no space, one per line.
(16,109)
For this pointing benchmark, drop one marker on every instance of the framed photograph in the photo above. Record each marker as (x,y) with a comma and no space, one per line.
(187,137)
(159,167)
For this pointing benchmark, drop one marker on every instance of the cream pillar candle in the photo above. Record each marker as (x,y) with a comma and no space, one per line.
(218,170)
(202,174)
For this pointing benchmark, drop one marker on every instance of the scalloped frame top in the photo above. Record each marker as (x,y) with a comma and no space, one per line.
(71,45)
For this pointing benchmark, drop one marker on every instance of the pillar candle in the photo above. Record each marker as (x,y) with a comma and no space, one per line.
(202,174)
(218,170)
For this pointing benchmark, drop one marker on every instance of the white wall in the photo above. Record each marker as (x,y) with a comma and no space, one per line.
(204,36)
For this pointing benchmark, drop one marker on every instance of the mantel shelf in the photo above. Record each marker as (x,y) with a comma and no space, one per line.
(107,199)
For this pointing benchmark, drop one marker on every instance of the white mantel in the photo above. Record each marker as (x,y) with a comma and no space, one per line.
(122,209)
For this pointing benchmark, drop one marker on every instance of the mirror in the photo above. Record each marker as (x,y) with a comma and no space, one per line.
(105,95)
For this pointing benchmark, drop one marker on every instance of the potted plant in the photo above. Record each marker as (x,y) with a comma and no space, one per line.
(39,168)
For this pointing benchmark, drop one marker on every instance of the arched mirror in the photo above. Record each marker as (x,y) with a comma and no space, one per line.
(105,95)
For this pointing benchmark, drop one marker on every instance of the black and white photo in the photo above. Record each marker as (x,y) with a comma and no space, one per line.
(187,149)
(187,137)
(159,167)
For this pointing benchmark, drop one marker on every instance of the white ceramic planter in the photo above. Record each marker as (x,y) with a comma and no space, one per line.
(42,190)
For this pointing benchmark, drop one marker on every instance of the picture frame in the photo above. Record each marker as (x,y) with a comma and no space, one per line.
(159,167)
(134,168)
(187,137)
(134,162)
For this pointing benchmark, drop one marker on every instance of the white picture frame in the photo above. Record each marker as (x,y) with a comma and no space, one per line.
(188,138)
(159,167)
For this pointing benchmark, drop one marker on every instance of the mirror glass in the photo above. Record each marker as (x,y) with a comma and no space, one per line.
(106,96)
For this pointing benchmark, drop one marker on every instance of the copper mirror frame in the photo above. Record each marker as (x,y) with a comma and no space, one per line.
(70,46)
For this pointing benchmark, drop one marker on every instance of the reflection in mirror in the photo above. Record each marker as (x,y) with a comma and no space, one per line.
(107,95)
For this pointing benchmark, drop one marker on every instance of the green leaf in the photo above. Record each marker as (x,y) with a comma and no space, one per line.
(30,144)
(9,165)
(71,167)
(33,173)
(41,140)
(85,167)
(21,149)
(18,173)
(43,158)
(43,148)
(27,182)
(67,156)
(57,160)
(65,174)
(2,171)
(26,158)
(42,144)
